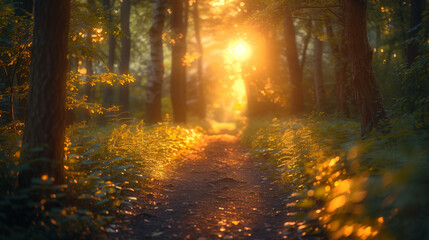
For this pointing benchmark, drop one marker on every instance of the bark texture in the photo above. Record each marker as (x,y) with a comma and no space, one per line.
(156,78)
(367,96)
(296,94)
(178,68)
(45,124)
(124,65)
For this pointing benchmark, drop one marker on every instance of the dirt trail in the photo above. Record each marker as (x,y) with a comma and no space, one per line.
(217,193)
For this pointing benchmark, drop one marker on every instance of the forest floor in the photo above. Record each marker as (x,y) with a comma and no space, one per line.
(218,192)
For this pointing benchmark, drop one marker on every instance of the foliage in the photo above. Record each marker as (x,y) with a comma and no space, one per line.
(415,84)
(352,187)
(15,46)
(75,80)
(107,170)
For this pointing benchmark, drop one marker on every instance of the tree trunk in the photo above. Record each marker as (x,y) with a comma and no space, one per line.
(339,52)
(108,90)
(297,98)
(319,88)
(417,7)
(154,91)
(367,96)
(305,46)
(45,123)
(200,81)
(178,69)
(124,65)
(88,89)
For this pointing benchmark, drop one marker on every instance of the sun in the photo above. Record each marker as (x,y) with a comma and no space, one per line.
(239,50)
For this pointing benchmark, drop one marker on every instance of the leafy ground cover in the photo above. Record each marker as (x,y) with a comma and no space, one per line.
(349,187)
(105,167)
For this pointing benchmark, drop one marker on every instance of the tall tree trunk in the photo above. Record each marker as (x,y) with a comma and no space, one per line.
(305,45)
(367,96)
(178,69)
(200,81)
(108,90)
(417,7)
(297,97)
(319,87)
(124,65)
(88,89)
(154,91)
(339,51)
(45,123)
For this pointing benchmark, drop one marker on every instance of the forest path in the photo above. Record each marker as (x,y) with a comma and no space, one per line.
(219,192)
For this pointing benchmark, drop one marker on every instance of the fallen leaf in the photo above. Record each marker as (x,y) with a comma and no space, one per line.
(157,234)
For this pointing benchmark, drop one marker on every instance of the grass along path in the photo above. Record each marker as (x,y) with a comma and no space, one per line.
(218,192)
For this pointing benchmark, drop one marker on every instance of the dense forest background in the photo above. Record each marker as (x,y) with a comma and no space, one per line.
(98,97)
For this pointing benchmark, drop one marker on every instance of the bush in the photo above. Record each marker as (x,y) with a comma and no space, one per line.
(350,187)
(107,170)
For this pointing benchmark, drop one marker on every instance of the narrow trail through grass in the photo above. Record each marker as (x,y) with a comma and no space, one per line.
(219,192)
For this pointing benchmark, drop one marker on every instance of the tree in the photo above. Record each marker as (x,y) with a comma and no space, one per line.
(45,122)
(416,10)
(367,96)
(297,98)
(319,88)
(108,90)
(88,91)
(339,51)
(154,91)
(201,111)
(178,69)
(124,65)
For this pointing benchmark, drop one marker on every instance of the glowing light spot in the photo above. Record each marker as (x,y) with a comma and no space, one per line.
(239,50)
(235,222)
(45,177)
(336,203)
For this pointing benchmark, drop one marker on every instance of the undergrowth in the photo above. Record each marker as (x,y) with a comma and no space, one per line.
(349,187)
(107,170)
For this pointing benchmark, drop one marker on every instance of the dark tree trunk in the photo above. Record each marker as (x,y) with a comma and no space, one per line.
(108,90)
(339,51)
(319,88)
(124,65)
(297,98)
(45,123)
(417,7)
(305,46)
(154,91)
(88,89)
(178,69)
(367,96)
(200,81)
